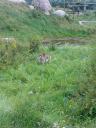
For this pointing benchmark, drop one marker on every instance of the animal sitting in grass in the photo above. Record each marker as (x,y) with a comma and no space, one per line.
(44,58)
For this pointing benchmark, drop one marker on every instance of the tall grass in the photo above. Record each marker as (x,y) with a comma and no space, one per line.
(62,91)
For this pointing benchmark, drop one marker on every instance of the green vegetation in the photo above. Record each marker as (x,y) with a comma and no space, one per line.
(63,91)
(22,23)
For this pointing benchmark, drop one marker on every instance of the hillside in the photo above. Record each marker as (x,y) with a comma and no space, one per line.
(22,23)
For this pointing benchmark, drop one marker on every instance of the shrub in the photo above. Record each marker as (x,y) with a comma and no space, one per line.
(7,51)
(52,47)
(36,13)
(68,18)
(34,44)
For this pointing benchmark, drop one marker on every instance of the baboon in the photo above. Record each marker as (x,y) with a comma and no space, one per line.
(44,58)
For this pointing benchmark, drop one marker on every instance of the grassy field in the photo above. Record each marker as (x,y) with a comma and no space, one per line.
(63,91)
(58,94)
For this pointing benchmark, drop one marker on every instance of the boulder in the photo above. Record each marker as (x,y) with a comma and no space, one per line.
(44,5)
(31,7)
(60,13)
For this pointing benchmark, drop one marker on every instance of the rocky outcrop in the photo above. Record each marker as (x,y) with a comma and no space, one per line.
(44,5)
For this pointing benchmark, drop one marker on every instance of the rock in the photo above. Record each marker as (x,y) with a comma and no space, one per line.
(31,7)
(44,5)
(47,13)
(60,13)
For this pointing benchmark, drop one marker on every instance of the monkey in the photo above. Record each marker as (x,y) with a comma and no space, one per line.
(44,58)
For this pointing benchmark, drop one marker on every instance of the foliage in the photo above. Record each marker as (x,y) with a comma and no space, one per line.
(63,90)
(7,51)
(23,23)
(34,43)
(52,47)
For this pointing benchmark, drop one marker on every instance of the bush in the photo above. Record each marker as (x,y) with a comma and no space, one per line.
(68,19)
(52,47)
(34,44)
(36,13)
(7,51)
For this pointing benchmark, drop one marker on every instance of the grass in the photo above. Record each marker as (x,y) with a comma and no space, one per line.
(63,91)
(22,23)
